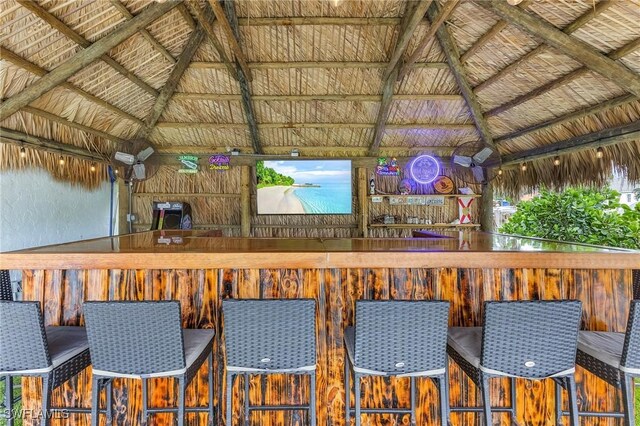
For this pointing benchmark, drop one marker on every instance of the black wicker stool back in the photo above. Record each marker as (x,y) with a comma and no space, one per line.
(532,339)
(22,333)
(6,292)
(631,352)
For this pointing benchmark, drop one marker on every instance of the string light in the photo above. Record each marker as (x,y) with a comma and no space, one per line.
(93,167)
(556,161)
(61,161)
(523,167)
(599,153)
(499,172)
(23,152)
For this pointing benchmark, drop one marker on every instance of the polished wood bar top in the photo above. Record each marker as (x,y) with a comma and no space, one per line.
(197,250)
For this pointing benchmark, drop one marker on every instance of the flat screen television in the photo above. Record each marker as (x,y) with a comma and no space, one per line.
(304,187)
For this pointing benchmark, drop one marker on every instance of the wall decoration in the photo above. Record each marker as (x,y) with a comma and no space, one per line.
(387,167)
(219,162)
(406,186)
(424,169)
(464,209)
(189,164)
(443,185)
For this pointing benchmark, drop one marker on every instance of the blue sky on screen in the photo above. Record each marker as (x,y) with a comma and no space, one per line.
(313,171)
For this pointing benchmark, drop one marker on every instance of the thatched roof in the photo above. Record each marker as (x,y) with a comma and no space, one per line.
(540,79)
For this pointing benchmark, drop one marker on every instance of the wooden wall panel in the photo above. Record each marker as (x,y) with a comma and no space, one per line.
(605,295)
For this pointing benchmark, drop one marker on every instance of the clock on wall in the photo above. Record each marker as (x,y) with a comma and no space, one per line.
(424,169)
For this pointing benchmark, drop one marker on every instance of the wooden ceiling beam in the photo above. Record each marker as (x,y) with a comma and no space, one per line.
(186,15)
(245,90)
(83,58)
(415,15)
(315,64)
(567,45)
(625,133)
(317,20)
(205,18)
(36,70)
(22,139)
(172,82)
(403,126)
(486,37)
(451,53)
(576,115)
(234,42)
(436,22)
(311,98)
(512,67)
(63,28)
(554,84)
(146,34)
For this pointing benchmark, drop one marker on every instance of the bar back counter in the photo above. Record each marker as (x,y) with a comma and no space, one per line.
(465,269)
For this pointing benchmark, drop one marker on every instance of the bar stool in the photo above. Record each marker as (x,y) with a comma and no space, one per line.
(636,283)
(6,291)
(30,349)
(615,357)
(144,340)
(528,339)
(270,337)
(401,339)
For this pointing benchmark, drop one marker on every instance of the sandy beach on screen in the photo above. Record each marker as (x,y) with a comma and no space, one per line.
(278,200)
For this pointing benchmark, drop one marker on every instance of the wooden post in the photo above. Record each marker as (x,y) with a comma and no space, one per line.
(245,201)
(486,207)
(363,202)
(123,206)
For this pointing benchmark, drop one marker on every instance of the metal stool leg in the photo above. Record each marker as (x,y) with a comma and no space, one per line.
(145,403)
(212,420)
(46,403)
(8,399)
(486,399)
(109,408)
(626,383)
(413,401)
(356,384)
(558,390)
(347,394)
(444,400)
(312,400)
(181,399)
(573,401)
(229,402)
(246,400)
(512,389)
(95,400)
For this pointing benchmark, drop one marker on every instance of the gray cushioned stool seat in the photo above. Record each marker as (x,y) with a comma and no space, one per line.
(466,341)
(65,342)
(604,346)
(195,342)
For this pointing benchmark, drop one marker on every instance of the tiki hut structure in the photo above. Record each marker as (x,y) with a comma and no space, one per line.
(538,80)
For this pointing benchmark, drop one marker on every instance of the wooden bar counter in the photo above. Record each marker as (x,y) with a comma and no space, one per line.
(199,271)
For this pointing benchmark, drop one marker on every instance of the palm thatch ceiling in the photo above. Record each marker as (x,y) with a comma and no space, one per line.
(336,78)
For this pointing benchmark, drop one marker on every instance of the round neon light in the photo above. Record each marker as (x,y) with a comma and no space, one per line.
(424,169)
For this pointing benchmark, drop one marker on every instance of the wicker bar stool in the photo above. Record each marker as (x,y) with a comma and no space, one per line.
(144,340)
(6,291)
(270,337)
(528,339)
(29,348)
(615,357)
(636,284)
(401,339)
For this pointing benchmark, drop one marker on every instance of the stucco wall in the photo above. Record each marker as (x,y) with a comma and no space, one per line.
(36,210)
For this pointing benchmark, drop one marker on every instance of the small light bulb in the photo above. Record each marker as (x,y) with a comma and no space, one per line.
(556,161)
(116,171)
(93,167)
(23,152)
(523,167)
(499,172)
(61,161)
(599,153)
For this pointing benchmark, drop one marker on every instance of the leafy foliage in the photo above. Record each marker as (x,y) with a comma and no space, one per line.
(592,216)
(269,177)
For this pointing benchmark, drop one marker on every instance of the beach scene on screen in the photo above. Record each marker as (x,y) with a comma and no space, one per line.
(304,187)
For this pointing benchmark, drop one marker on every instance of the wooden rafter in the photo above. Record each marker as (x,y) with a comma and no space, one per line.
(247,103)
(206,125)
(451,53)
(83,58)
(613,136)
(146,34)
(186,15)
(408,25)
(416,14)
(436,22)
(316,64)
(572,27)
(311,98)
(554,84)
(205,18)
(57,24)
(172,82)
(316,20)
(231,38)
(18,138)
(486,37)
(570,46)
(36,70)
